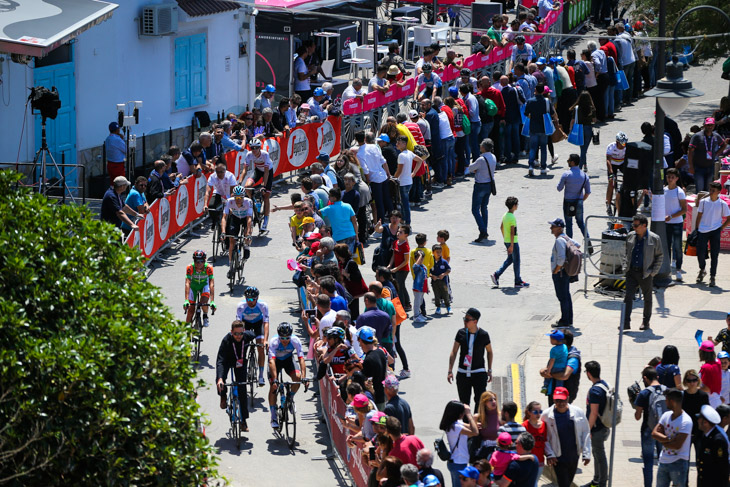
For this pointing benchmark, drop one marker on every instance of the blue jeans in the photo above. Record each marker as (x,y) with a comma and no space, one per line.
(713,238)
(587,137)
(703,178)
(511,141)
(447,167)
(417,189)
(474,140)
(512,259)
(674,473)
(608,100)
(350,241)
(479,201)
(484,133)
(538,141)
(383,201)
(404,203)
(454,471)
(648,445)
(674,242)
(578,217)
(561,281)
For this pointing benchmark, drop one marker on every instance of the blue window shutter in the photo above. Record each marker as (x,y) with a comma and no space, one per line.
(182,73)
(198,70)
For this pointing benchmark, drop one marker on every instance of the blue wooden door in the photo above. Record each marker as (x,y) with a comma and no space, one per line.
(60,132)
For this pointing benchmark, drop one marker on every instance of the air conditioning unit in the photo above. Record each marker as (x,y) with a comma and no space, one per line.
(159,20)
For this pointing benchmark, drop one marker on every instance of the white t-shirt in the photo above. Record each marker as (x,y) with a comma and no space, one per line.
(261,162)
(672,198)
(327,321)
(713,214)
(725,390)
(351,92)
(183,168)
(460,450)
(444,126)
(683,424)
(222,186)
(615,155)
(406,159)
(300,67)
(371,161)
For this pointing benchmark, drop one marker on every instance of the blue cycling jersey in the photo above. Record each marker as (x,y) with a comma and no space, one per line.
(282,351)
(252,314)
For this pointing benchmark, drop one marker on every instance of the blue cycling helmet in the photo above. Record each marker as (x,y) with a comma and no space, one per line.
(285,330)
(251,291)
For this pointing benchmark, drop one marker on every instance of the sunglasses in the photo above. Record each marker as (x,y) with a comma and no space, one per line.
(536,411)
(247,118)
(695,379)
(635,225)
(467,319)
(237,334)
(286,339)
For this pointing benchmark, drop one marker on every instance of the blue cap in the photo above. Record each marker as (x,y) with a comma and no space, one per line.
(453,91)
(541,60)
(430,481)
(560,59)
(323,156)
(553,60)
(114,126)
(557,334)
(723,354)
(366,334)
(318,92)
(558,222)
(270,89)
(469,472)
(384,138)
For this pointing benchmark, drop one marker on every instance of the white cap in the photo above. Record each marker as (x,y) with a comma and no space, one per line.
(709,413)
(413,114)
(121,181)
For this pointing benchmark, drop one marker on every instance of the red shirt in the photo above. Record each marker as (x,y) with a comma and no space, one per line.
(450,114)
(405,448)
(416,132)
(571,73)
(401,251)
(496,96)
(540,435)
(610,50)
(711,375)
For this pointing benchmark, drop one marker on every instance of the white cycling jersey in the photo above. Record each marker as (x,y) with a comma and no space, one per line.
(246,208)
(261,162)
(615,155)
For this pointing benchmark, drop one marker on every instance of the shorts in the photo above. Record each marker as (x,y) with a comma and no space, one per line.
(287,365)
(616,171)
(257,327)
(258,176)
(233,224)
(205,292)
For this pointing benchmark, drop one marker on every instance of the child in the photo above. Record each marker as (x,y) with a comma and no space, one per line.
(725,364)
(441,237)
(420,286)
(723,336)
(504,454)
(509,231)
(427,260)
(399,264)
(440,279)
(558,358)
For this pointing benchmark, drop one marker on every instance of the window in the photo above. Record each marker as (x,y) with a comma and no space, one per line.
(191,77)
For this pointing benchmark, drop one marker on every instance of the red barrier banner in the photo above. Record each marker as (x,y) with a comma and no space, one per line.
(391,95)
(471,62)
(334,408)
(406,91)
(498,54)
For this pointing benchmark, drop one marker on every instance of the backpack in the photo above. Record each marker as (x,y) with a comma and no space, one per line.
(485,114)
(465,124)
(657,405)
(613,403)
(573,258)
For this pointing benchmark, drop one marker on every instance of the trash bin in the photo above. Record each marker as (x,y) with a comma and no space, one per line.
(613,250)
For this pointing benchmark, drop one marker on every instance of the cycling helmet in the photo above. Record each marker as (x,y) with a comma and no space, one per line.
(465,72)
(255,143)
(251,291)
(427,68)
(199,256)
(284,329)
(520,40)
(622,137)
(336,332)
(238,191)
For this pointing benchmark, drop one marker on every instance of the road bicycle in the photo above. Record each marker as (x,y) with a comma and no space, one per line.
(239,257)
(197,329)
(219,249)
(252,364)
(286,411)
(258,208)
(233,410)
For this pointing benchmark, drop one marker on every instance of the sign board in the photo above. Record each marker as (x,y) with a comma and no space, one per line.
(481,17)
(273,62)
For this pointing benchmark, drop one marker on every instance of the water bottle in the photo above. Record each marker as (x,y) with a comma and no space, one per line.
(176,183)
(283,401)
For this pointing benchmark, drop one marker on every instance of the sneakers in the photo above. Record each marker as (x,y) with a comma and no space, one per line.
(558,324)
(679,276)
(590,484)
(420,319)
(712,281)
(244,426)
(644,326)
(404,374)
(482,236)
(530,173)
(262,382)
(223,402)
(522,284)
(438,311)
(448,311)
(206,323)
(495,279)
(543,172)
(701,275)
(555,158)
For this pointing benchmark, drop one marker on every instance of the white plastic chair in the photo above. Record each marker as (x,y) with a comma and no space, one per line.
(421,39)
(441,34)
(354,61)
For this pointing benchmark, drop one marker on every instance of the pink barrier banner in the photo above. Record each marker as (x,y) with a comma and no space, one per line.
(450,73)
(498,54)
(391,95)
(352,106)
(471,61)
(407,89)
(372,101)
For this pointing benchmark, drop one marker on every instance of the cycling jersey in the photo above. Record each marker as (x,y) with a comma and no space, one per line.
(199,280)
(246,208)
(222,186)
(338,360)
(615,155)
(279,351)
(261,162)
(247,314)
(428,82)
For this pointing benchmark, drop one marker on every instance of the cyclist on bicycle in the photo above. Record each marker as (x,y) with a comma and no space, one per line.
(282,350)
(232,355)
(241,210)
(263,171)
(255,316)
(615,156)
(198,286)
(220,185)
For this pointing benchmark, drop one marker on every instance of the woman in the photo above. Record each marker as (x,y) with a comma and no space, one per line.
(668,370)
(385,277)
(551,148)
(461,138)
(488,421)
(351,278)
(591,81)
(459,425)
(362,427)
(345,163)
(389,472)
(692,401)
(711,373)
(586,114)
(538,429)
(388,235)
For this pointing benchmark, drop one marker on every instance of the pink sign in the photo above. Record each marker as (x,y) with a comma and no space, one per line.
(471,61)
(407,89)
(391,95)
(353,106)
(450,73)
(498,54)
(372,101)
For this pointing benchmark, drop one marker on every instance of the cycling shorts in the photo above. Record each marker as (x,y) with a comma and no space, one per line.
(258,177)
(257,327)
(287,365)
(233,224)
(204,292)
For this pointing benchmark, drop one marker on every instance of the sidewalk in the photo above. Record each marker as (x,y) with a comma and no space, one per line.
(679,311)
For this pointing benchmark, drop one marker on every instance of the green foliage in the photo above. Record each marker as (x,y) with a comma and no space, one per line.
(96,385)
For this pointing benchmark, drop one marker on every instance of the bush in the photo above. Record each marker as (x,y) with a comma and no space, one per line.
(96,385)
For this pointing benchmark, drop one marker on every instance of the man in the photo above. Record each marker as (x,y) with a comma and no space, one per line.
(397,406)
(491,130)
(509,425)
(303,72)
(712,450)
(476,124)
(319,189)
(484,46)
(378,82)
(675,204)
(136,200)
(219,187)
(526,81)
(405,447)
(232,355)
(389,152)
(315,107)
(627,58)
(385,304)
(649,405)
(596,405)
(468,476)
(355,90)
(424,462)
(410,121)
(471,342)
(704,149)
(710,225)
(393,58)
(216,146)
(522,52)
(561,279)
(483,169)
(431,114)
(495,31)
(570,378)
(191,161)
(264,100)
(113,208)
(263,174)
(535,110)
(600,67)
(283,348)
(376,173)
(466,78)
(513,98)
(156,186)
(522,473)
(237,213)
(674,432)
(408,166)
(567,437)
(577,189)
(206,140)
(116,151)
(642,262)
(373,317)
(409,474)
(374,363)
(227,142)
(341,218)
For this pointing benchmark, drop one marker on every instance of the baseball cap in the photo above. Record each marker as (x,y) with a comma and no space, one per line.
(313,236)
(540,60)
(113,127)
(474,313)
(384,138)
(366,334)
(706,346)
(560,59)
(323,156)
(723,354)
(558,222)
(376,415)
(709,121)
(709,413)
(314,248)
(304,106)
(414,114)
(270,89)
(121,181)
(560,393)
(469,472)
(453,91)
(318,92)
(504,439)
(360,401)
(391,381)
(305,220)
(430,481)
(557,334)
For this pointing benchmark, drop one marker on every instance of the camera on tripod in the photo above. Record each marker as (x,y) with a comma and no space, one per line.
(45,101)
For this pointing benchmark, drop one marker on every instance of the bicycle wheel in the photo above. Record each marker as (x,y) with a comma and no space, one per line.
(216,239)
(232,269)
(290,425)
(238,421)
(251,373)
(197,337)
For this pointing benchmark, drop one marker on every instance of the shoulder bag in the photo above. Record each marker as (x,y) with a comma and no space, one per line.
(491,175)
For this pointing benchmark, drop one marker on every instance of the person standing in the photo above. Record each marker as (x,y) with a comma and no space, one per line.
(577,189)
(596,405)
(471,342)
(374,363)
(536,109)
(483,169)
(712,454)
(673,431)
(113,208)
(567,437)
(408,165)
(586,114)
(397,406)
(648,407)
(459,425)
(116,152)
(376,173)
(675,202)
(642,262)
(704,148)
(710,214)
(561,279)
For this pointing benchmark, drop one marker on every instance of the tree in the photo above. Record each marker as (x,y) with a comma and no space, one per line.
(96,385)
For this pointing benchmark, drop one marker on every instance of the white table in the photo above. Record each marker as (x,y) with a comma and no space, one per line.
(327,36)
(406,21)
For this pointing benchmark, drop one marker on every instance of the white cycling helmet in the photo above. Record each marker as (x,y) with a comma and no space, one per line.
(255,143)
(622,137)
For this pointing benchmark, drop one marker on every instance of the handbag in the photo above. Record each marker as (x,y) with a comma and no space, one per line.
(491,176)
(359,256)
(547,120)
(526,128)
(623,83)
(400,312)
(576,133)
(558,135)
(442,450)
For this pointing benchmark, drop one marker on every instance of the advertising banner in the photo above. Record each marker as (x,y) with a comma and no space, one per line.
(273,64)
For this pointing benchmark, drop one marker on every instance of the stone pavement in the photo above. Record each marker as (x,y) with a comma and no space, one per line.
(679,311)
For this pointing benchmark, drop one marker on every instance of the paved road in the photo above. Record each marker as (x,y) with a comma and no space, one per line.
(514,318)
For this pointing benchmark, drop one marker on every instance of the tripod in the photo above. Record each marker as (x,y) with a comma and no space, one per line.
(40,156)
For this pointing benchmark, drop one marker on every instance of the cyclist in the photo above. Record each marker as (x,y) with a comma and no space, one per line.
(220,185)
(241,210)
(263,170)
(255,316)
(232,355)
(615,156)
(282,350)
(198,285)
